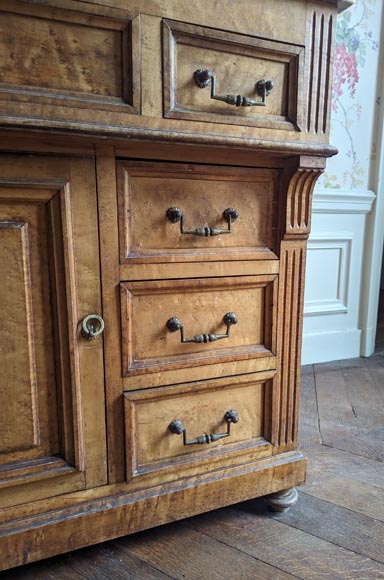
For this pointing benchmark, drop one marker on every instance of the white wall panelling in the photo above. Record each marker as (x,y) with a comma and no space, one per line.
(328,270)
(334,274)
(339,322)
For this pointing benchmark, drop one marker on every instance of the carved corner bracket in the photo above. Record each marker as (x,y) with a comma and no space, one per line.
(299,189)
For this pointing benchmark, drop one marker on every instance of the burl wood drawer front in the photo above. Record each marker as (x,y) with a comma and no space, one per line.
(178,212)
(202,63)
(50,56)
(158,315)
(198,422)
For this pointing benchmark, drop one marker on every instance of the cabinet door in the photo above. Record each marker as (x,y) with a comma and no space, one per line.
(52,418)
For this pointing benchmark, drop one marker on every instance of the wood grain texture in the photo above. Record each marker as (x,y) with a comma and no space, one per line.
(341,463)
(309,432)
(66,56)
(295,225)
(321,27)
(191,554)
(202,193)
(200,305)
(238,63)
(20,421)
(332,522)
(257,20)
(348,493)
(45,441)
(291,300)
(110,278)
(358,409)
(129,512)
(351,540)
(300,554)
(127,46)
(89,62)
(151,447)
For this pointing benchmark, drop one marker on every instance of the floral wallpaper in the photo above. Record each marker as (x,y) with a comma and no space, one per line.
(354,93)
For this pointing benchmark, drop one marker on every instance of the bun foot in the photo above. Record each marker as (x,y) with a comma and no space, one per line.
(282,501)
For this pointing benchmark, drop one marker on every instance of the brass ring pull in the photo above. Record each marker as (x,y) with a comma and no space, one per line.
(174,324)
(92,326)
(174,214)
(203,77)
(178,428)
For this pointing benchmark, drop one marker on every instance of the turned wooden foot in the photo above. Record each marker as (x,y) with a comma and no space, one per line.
(282,501)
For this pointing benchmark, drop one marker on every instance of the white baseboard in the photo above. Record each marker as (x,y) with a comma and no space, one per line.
(329,346)
(368,340)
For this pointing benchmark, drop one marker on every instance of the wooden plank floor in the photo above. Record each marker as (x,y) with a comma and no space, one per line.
(336,531)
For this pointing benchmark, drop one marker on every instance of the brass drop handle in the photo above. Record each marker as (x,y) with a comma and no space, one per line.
(174,324)
(204,77)
(177,427)
(92,326)
(174,214)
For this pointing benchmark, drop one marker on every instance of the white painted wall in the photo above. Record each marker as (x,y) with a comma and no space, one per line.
(336,297)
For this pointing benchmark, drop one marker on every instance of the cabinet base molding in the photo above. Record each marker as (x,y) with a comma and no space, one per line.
(75,526)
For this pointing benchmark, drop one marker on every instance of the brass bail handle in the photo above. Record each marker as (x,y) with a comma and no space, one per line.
(174,215)
(92,326)
(204,77)
(174,324)
(177,427)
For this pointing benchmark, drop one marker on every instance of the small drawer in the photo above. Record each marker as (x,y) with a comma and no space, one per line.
(61,58)
(172,212)
(179,324)
(199,422)
(221,77)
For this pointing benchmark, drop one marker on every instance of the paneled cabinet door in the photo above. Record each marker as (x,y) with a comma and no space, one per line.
(52,422)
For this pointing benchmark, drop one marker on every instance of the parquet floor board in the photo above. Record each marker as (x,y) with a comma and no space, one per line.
(338,525)
(328,461)
(187,552)
(336,531)
(309,431)
(370,445)
(299,553)
(349,493)
(336,414)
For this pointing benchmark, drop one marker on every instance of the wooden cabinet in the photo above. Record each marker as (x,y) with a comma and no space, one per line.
(155,202)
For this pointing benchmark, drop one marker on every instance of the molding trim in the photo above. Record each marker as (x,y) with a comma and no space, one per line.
(341,241)
(343,201)
(329,346)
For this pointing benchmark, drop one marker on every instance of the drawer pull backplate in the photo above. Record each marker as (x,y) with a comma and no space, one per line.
(204,77)
(178,428)
(174,214)
(174,324)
